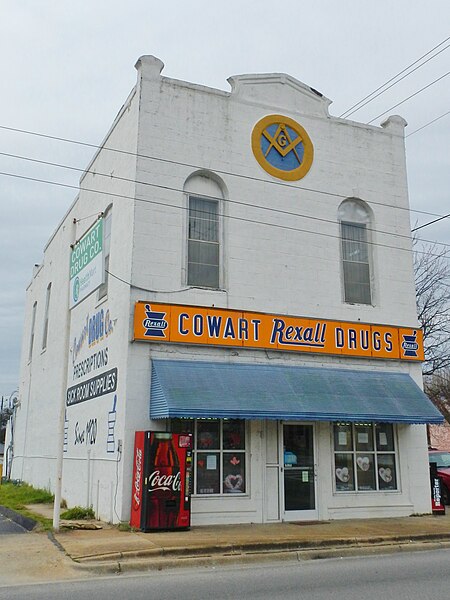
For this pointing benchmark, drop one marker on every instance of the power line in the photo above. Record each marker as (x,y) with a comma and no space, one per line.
(409,97)
(392,78)
(143,289)
(227,200)
(344,196)
(429,123)
(242,219)
(372,97)
(191,166)
(431,222)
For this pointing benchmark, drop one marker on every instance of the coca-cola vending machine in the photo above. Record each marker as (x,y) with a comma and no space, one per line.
(162,481)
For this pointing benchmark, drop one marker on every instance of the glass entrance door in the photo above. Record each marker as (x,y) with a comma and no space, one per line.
(299,472)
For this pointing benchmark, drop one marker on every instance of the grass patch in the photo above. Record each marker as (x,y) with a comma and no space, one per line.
(16,495)
(125,526)
(78,512)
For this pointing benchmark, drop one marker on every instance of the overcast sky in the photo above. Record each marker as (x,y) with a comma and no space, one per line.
(66,68)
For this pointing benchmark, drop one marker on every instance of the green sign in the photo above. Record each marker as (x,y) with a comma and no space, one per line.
(86,264)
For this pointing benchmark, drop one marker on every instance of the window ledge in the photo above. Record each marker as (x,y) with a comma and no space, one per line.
(207,289)
(219,496)
(358,492)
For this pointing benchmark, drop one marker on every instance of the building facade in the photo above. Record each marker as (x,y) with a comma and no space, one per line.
(257,290)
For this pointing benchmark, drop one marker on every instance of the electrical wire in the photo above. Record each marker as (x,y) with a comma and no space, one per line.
(241,219)
(427,124)
(183,164)
(348,114)
(143,289)
(439,217)
(227,200)
(409,97)
(430,223)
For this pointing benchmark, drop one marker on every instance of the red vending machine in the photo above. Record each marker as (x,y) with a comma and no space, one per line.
(162,476)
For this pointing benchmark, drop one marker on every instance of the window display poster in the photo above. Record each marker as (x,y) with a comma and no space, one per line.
(208,478)
(234,434)
(382,439)
(211,462)
(344,480)
(365,472)
(234,473)
(387,479)
(363,438)
(342,438)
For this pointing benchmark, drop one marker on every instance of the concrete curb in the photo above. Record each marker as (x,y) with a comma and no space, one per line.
(157,559)
(258,547)
(25,522)
(269,554)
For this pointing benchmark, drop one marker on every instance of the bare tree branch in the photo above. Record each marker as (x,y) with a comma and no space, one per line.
(432,275)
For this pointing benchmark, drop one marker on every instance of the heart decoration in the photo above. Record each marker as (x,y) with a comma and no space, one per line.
(363,463)
(385,474)
(233,483)
(235,461)
(205,440)
(343,474)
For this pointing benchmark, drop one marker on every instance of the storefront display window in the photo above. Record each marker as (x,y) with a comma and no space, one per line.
(365,472)
(208,435)
(219,454)
(387,478)
(208,472)
(345,481)
(364,457)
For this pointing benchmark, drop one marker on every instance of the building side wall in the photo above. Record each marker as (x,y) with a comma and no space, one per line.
(93,428)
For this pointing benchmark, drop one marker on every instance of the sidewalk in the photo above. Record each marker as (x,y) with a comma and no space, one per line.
(110,550)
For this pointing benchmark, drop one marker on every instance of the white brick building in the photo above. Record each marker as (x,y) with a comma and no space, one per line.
(194,216)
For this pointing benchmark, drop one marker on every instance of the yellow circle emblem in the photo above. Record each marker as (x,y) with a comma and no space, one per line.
(282,147)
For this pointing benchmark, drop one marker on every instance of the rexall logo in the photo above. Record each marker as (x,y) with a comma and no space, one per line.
(410,345)
(76,289)
(154,322)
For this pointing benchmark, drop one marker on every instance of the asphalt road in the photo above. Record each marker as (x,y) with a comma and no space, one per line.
(8,526)
(403,576)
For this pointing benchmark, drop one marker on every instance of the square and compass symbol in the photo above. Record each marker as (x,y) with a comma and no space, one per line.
(282,147)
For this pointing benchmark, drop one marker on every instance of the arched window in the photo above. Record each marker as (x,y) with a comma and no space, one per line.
(354,218)
(204,230)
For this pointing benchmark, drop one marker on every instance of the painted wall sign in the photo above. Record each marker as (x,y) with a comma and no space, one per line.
(91,398)
(282,147)
(102,384)
(86,264)
(223,327)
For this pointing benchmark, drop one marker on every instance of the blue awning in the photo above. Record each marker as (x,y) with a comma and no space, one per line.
(248,391)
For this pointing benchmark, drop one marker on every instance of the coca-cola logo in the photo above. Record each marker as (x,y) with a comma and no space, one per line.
(160,481)
(137,478)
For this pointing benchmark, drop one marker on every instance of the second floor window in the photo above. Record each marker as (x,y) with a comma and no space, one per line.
(103,289)
(33,324)
(355,262)
(203,242)
(355,221)
(47,309)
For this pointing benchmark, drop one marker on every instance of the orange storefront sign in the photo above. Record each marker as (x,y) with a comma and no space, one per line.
(223,327)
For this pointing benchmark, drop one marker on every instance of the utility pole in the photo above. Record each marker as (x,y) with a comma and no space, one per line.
(62,406)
